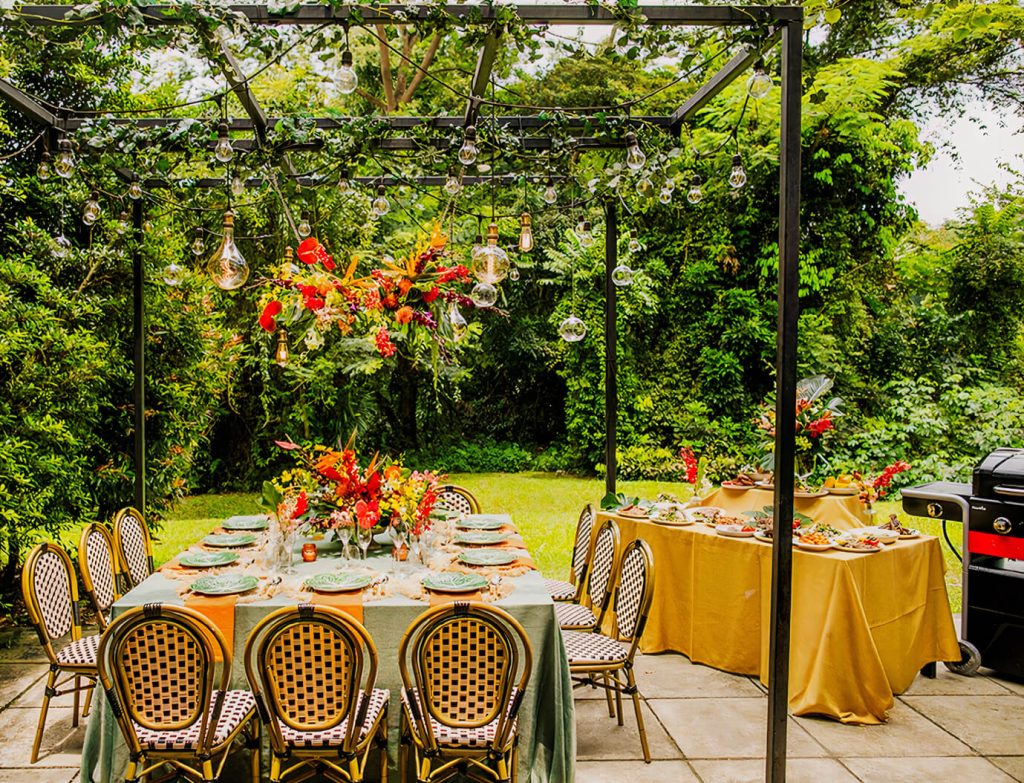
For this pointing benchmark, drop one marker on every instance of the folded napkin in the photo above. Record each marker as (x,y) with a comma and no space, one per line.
(219,610)
(351,602)
(436,599)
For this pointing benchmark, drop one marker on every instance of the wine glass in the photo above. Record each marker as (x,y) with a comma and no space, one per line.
(345,536)
(398,538)
(364,535)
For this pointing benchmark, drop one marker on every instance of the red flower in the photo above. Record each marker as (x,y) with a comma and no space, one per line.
(300,506)
(817,428)
(384,345)
(307,250)
(691,464)
(431,295)
(368,514)
(329,263)
(272,308)
(313,303)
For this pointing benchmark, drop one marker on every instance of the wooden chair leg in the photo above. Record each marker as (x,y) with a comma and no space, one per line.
(618,695)
(608,695)
(76,684)
(384,751)
(631,684)
(254,750)
(88,698)
(51,679)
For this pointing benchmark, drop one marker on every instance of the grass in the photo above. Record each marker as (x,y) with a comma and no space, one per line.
(544,506)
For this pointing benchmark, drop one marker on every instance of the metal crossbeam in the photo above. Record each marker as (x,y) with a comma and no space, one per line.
(312,181)
(306,15)
(23,103)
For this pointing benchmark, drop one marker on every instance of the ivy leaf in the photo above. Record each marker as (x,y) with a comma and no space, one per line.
(832,15)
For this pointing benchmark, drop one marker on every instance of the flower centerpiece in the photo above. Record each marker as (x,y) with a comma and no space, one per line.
(407,498)
(816,415)
(874,489)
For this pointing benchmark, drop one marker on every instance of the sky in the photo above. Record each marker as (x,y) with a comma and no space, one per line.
(945,184)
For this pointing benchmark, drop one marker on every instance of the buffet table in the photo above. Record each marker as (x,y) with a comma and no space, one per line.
(862,624)
(547,744)
(843,512)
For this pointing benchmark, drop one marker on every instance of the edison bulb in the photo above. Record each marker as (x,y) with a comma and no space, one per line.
(665,197)
(227,266)
(572,329)
(635,157)
(281,354)
(122,224)
(644,187)
(550,194)
(525,233)
(44,169)
(198,248)
(222,150)
(513,274)
(468,152)
(347,80)
(694,194)
(344,185)
(452,186)
(61,246)
(304,228)
(135,191)
(586,236)
(491,263)
(634,243)
(760,83)
(622,276)
(737,177)
(64,165)
(381,206)
(174,274)
(91,209)
(484,295)
(237,186)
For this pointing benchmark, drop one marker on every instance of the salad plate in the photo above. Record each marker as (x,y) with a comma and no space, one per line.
(256,522)
(469,523)
(207,559)
(488,557)
(452,582)
(338,582)
(481,538)
(229,539)
(224,584)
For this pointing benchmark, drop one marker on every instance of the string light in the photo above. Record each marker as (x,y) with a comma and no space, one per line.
(737,177)
(635,157)
(491,263)
(347,80)
(64,165)
(452,186)
(760,83)
(227,266)
(122,223)
(237,186)
(174,274)
(304,228)
(695,194)
(281,354)
(344,185)
(550,194)
(572,329)
(381,206)
(198,248)
(288,266)
(622,276)
(644,187)
(634,243)
(513,273)
(468,152)
(586,236)
(61,246)
(44,169)
(525,234)
(222,150)
(456,319)
(135,191)
(91,209)
(665,196)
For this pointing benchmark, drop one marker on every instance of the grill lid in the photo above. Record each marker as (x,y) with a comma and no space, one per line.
(1003,468)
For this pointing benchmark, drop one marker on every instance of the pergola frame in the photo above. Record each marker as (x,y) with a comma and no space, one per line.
(785,25)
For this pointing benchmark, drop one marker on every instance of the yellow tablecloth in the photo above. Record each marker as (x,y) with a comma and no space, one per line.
(862,627)
(843,512)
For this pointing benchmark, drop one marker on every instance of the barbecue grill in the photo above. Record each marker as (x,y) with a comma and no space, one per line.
(992,510)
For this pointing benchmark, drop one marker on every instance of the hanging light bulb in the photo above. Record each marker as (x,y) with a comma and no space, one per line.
(281,354)
(634,243)
(579,226)
(288,266)
(635,157)
(525,234)
(490,264)
(513,273)
(665,197)
(452,186)
(227,266)
(347,80)
(147,226)
(91,209)
(304,228)
(198,248)
(381,205)
(457,321)
(550,194)
(237,186)
(174,274)
(44,169)
(644,187)
(64,165)
(586,236)
(122,223)
(694,194)
(484,295)
(572,329)
(223,150)
(622,276)
(737,177)
(61,246)
(760,83)
(468,151)
(135,191)
(344,185)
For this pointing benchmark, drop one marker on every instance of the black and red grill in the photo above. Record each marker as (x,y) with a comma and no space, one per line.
(992,510)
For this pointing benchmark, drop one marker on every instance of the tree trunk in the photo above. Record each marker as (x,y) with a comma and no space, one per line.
(406,385)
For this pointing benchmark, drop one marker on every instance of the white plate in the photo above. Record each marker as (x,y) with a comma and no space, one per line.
(914,534)
(843,490)
(814,547)
(730,487)
(674,522)
(764,539)
(733,531)
(842,548)
(697,513)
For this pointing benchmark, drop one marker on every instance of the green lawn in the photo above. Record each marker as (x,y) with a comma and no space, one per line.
(544,506)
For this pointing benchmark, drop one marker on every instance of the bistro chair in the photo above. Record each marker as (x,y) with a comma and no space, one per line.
(50,590)
(312,671)
(454,498)
(599,660)
(157,665)
(100,575)
(464,670)
(134,547)
(581,551)
(578,616)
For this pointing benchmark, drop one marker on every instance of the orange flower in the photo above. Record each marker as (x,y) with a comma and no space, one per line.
(404,315)
(404,285)
(392,473)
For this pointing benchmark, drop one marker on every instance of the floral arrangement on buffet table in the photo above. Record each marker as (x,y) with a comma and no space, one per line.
(329,490)
(816,415)
(415,300)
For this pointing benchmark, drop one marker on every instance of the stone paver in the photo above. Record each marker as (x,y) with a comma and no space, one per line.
(991,725)
(917,769)
(1011,765)
(600,737)
(16,678)
(752,771)
(637,771)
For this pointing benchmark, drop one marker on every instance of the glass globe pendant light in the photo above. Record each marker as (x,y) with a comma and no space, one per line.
(44,169)
(695,194)
(491,264)
(61,246)
(222,150)
(525,233)
(468,152)
(622,276)
(644,187)
(635,157)
(347,80)
(456,319)
(452,186)
(634,243)
(64,165)
(484,295)
(737,177)
(91,209)
(760,83)
(227,266)
(174,274)
(572,329)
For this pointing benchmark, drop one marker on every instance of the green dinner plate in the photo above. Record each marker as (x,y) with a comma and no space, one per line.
(471,523)
(488,557)
(454,582)
(207,559)
(338,582)
(481,538)
(230,539)
(445,513)
(257,522)
(224,584)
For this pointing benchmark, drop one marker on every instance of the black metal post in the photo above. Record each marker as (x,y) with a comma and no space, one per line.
(785,403)
(139,358)
(611,390)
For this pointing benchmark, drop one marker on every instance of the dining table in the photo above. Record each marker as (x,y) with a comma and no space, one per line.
(394,598)
(862,624)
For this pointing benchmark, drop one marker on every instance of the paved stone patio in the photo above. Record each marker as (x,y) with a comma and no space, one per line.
(703,725)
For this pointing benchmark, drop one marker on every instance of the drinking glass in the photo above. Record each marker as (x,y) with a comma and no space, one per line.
(364,535)
(344,535)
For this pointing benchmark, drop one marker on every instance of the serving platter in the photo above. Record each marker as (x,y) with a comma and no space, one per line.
(473,523)
(733,531)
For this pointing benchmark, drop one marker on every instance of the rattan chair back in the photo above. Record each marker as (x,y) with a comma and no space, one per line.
(311,667)
(469,664)
(98,565)
(158,666)
(454,498)
(50,590)
(634,592)
(581,547)
(601,580)
(134,547)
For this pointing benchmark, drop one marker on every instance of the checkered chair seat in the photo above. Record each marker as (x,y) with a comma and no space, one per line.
(574,616)
(335,736)
(238,707)
(581,647)
(81,652)
(453,737)
(560,590)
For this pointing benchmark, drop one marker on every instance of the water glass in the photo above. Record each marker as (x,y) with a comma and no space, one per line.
(364,535)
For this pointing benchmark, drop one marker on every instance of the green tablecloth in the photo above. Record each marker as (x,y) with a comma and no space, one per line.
(546,723)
